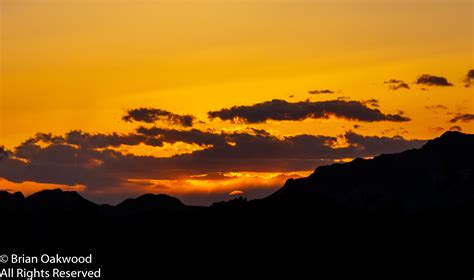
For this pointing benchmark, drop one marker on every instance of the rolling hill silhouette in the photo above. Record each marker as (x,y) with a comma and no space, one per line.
(149,204)
(420,201)
(58,202)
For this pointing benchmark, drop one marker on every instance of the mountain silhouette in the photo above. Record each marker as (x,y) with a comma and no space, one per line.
(149,204)
(416,205)
(440,175)
(58,202)
(11,203)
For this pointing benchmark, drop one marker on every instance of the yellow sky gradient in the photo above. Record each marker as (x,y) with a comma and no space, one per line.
(79,64)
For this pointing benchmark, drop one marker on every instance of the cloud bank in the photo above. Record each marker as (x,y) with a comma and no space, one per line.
(79,158)
(281,110)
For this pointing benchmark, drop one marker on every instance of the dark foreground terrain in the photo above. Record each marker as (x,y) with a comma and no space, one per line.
(403,216)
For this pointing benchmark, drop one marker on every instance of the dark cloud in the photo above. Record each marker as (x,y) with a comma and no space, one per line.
(469,78)
(151,115)
(344,98)
(58,164)
(436,107)
(375,145)
(463,118)
(193,136)
(399,86)
(395,84)
(3,152)
(371,102)
(253,143)
(393,130)
(430,80)
(100,140)
(76,159)
(470,74)
(322,91)
(393,81)
(281,110)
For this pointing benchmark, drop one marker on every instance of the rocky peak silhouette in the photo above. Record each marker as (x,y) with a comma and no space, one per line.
(439,175)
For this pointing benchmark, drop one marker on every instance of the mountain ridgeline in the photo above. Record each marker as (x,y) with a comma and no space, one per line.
(418,201)
(439,176)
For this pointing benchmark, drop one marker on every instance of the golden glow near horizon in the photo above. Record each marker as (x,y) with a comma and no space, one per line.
(79,65)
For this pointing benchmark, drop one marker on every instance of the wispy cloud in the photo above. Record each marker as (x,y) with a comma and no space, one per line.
(463,118)
(395,84)
(322,91)
(151,115)
(436,108)
(469,78)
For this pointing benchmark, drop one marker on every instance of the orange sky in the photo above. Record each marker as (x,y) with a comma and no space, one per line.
(80,64)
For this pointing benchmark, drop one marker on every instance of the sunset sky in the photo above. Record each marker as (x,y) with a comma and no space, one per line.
(206,100)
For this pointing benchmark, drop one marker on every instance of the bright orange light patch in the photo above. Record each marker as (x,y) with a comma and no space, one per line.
(343,160)
(29,187)
(167,150)
(236,192)
(225,183)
